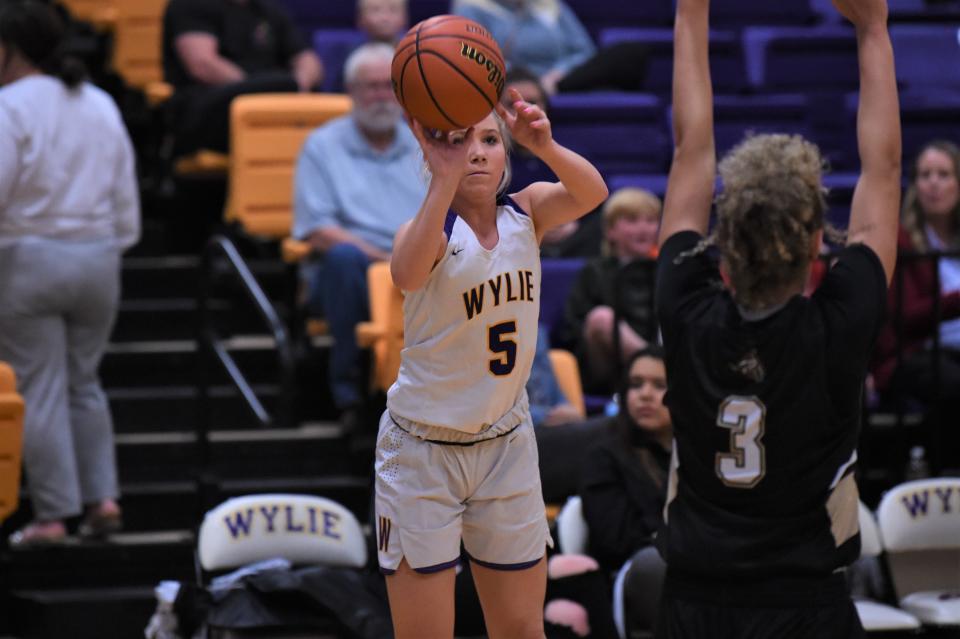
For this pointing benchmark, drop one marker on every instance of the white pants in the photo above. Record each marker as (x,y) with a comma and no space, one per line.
(58,301)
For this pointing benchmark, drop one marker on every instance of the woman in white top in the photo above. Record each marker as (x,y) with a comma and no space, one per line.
(68,208)
(456,456)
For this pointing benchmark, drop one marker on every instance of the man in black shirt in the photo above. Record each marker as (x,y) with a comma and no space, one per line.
(215,50)
(765,384)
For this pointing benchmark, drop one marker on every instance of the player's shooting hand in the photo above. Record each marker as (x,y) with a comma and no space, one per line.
(528,124)
(446,160)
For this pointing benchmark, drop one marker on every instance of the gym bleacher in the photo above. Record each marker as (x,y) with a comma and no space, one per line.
(219,322)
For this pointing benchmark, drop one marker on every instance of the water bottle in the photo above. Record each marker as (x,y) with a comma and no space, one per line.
(917,466)
(612,407)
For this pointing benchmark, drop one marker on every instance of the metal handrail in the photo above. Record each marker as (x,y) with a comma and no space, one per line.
(210,343)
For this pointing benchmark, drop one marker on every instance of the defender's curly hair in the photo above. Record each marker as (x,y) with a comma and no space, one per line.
(912,216)
(772,204)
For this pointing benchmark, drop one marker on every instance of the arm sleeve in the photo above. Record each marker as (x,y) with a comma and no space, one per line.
(314,202)
(126,196)
(581,299)
(290,38)
(852,299)
(616,528)
(578,46)
(681,277)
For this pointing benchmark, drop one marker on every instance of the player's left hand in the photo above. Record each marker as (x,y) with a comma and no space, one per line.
(528,124)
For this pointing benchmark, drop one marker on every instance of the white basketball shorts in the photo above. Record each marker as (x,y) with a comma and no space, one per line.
(431,494)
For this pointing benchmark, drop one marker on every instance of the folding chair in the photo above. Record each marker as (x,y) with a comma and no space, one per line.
(11,441)
(875,616)
(920,525)
(137,47)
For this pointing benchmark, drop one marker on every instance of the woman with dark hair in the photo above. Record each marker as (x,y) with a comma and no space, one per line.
(69,206)
(623,481)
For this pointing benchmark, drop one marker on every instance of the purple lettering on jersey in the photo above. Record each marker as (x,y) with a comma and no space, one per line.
(510,295)
(474,302)
(495,288)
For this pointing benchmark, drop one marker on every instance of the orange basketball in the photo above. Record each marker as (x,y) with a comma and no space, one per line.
(448,72)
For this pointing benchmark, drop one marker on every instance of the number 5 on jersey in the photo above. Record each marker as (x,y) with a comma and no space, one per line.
(746,462)
(504,348)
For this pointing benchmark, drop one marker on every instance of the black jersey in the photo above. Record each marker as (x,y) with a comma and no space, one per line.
(766,415)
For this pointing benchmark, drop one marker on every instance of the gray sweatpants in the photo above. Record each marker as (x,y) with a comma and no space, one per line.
(58,300)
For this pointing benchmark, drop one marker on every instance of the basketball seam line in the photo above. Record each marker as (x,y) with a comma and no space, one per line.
(447,35)
(426,85)
(465,77)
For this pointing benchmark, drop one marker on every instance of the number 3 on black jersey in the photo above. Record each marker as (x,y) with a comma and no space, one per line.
(504,349)
(745,463)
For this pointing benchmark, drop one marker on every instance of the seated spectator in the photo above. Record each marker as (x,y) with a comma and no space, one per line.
(580,238)
(215,50)
(623,478)
(383,20)
(930,222)
(622,277)
(623,487)
(69,207)
(547,38)
(357,179)
(548,405)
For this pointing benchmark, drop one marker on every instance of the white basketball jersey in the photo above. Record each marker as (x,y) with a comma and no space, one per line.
(470,333)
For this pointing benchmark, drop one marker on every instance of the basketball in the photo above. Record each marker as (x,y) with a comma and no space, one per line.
(448,72)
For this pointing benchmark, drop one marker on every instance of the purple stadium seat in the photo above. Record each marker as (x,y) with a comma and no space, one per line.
(656,183)
(924,116)
(928,56)
(840,194)
(322,14)
(333,46)
(801,59)
(423,9)
(924,10)
(736,115)
(618,132)
(557,277)
(751,12)
(601,14)
(726,57)
(821,119)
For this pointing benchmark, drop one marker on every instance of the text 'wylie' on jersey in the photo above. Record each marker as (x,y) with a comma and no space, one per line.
(506,287)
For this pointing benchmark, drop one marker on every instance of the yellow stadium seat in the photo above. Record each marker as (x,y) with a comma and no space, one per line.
(266,133)
(383,334)
(102,14)
(567,371)
(137,44)
(11,441)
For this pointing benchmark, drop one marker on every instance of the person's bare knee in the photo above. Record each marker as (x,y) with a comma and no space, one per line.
(411,593)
